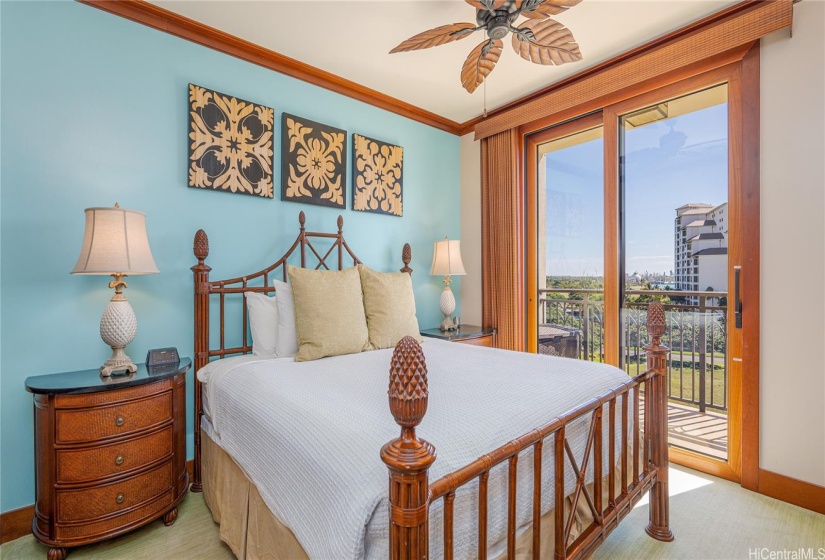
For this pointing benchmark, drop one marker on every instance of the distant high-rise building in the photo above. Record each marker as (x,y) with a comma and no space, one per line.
(701,247)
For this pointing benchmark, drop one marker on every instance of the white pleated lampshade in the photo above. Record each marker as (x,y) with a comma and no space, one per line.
(115,242)
(447,258)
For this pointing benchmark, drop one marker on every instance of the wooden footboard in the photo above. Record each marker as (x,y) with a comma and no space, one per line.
(409,458)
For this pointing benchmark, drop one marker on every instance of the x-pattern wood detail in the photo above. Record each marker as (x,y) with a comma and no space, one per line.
(322,261)
(581,474)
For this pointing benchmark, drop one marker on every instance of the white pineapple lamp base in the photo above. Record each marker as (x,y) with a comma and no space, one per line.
(447,261)
(447,304)
(118,327)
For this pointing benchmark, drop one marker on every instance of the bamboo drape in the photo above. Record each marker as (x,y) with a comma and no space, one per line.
(752,21)
(501,270)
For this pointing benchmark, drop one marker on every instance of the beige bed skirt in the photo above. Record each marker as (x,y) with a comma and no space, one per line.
(252,531)
(247,525)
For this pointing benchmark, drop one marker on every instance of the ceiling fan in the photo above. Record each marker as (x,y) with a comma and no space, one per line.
(539,38)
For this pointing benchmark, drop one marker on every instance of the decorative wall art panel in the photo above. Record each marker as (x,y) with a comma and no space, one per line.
(230,146)
(314,165)
(377,185)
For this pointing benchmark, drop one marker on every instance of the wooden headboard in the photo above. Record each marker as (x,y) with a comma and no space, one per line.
(255,282)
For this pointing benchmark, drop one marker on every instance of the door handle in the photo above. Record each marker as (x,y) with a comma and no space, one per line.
(737,296)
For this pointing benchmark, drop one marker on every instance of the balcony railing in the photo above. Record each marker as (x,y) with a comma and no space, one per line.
(696,334)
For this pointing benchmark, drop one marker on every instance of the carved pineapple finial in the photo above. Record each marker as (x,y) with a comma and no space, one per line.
(656,320)
(406,257)
(408,457)
(302,219)
(340,224)
(408,383)
(201,246)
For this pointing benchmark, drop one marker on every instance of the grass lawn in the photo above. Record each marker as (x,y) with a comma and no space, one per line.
(686,374)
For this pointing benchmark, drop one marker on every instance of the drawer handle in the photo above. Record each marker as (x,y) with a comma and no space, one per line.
(119,498)
(119,460)
(119,421)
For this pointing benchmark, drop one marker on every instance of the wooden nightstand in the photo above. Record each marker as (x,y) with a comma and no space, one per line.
(110,453)
(466,334)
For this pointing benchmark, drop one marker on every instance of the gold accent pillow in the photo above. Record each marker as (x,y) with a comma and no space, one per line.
(329,312)
(389,305)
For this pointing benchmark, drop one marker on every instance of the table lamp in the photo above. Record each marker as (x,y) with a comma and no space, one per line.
(447,262)
(115,244)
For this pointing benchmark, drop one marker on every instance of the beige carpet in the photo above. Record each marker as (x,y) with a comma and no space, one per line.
(711,519)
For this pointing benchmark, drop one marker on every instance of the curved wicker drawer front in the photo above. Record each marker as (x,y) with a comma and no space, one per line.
(86,465)
(88,425)
(87,400)
(114,525)
(91,503)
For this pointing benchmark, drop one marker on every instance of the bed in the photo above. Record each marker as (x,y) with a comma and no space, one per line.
(538,456)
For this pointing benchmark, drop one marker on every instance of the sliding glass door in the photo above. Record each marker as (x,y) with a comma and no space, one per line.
(647,200)
(674,232)
(570,241)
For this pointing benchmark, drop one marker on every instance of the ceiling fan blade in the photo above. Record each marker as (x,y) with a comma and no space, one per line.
(552,43)
(547,8)
(486,4)
(480,63)
(435,37)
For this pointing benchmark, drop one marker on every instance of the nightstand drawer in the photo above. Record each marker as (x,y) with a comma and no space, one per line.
(91,503)
(86,465)
(79,533)
(88,425)
(112,396)
(486,340)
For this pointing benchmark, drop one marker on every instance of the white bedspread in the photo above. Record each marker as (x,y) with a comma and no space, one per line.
(308,435)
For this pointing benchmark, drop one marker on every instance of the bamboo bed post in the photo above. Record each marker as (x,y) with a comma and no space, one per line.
(408,458)
(656,410)
(200,271)
(406,257)
(302,219)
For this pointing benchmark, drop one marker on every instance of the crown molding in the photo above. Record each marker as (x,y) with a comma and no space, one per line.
(707,40)
(737,9)
(153,16)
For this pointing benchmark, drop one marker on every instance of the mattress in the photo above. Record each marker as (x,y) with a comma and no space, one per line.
(307,435)
(216,368)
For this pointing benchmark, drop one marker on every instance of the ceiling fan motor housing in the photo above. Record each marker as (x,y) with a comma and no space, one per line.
(497,23)
(498,27)
(498,19)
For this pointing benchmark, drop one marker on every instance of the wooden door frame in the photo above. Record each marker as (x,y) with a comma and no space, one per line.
(531,145)
(741,73)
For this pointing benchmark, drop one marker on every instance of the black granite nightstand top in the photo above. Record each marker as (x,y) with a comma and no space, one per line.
(90,380)
(463,332)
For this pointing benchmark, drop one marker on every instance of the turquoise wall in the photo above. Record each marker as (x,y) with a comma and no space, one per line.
(94,111)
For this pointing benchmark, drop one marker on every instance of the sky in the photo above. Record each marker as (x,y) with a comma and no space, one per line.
(668,163)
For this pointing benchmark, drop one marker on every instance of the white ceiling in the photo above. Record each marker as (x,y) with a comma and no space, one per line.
(353,38)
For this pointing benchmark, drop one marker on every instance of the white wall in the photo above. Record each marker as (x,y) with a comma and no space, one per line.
(792,392)
(792,419)
(471,229)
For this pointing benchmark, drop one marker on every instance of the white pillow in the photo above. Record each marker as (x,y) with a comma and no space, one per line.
(263,321)
(287,335)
